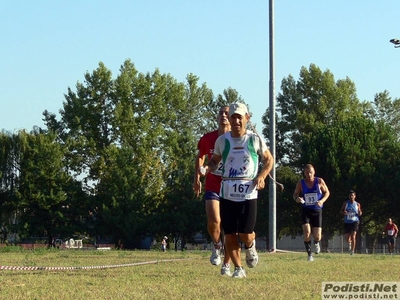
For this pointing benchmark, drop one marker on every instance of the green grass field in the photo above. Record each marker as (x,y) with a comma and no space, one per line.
(181,275)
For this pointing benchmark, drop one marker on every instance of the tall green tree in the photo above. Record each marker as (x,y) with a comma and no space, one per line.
(303,105)
(385,109)
(42,189)
(9,182)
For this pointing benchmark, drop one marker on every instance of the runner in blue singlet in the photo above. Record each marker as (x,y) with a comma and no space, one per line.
(311,192)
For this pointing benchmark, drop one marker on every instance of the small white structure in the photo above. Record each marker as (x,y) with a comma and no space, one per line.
(73,244)
(103,248)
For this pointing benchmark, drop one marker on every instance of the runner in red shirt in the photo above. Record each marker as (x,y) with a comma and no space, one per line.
(212,188)
(391,231)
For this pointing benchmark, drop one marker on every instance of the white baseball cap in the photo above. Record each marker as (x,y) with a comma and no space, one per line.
(238,108)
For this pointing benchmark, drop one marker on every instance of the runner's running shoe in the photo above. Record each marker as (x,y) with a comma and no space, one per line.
(225,270)
(317,248)
(239,273)
(252,256)
(215,258)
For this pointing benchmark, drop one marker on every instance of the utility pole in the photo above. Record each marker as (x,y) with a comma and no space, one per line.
(272,186)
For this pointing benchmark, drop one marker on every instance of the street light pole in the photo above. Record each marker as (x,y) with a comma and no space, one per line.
(272,186)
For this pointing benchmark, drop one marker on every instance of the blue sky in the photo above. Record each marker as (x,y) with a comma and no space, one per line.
(47,46)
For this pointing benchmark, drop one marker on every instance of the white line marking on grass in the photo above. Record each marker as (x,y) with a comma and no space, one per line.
(15,268)
(285,251)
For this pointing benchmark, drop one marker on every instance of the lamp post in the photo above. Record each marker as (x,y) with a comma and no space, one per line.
(272,186)
(396,42)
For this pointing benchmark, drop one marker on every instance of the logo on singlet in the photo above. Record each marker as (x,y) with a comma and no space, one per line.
(236,173)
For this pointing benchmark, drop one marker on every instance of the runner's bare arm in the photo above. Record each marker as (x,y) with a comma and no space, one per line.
(342,209)
(213,163)
(268,162)
(197,183)
(297,192)
(324,190)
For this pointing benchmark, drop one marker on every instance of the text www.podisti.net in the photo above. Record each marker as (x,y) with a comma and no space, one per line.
(360,290)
